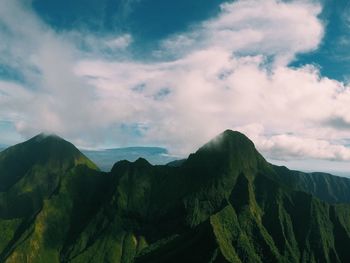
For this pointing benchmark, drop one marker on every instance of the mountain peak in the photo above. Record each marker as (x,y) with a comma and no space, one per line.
(142,162)
(230,148)
(46,136)
(51,144)
(46,150)
(229,141)
(234,135)
(229,132)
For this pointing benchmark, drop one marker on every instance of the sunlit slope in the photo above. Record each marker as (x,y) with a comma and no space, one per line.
(32,175)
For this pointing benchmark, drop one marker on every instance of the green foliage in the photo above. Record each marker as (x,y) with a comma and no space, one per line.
(225,203)
(7,231)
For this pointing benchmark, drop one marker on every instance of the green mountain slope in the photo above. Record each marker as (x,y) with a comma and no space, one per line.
(327,187)
(48,151)
(225,203)
(31,174)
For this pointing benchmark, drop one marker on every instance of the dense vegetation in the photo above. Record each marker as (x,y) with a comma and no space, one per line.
(224,203)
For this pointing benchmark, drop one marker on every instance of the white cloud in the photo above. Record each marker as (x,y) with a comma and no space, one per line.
(289,147)
(212,91)
(53,98)
(272,28)
(230,72)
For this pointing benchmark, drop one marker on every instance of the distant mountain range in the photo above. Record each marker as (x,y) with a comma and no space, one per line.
(224,203)
(106,158)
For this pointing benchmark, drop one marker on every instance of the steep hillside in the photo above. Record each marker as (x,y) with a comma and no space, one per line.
(48,151)
(225,203)
(32,173)
(327,187)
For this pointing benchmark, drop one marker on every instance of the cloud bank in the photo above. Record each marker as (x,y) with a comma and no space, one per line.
(227,72)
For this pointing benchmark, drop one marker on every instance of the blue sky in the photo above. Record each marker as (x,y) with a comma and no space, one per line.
(176,73)
(147,21)
(332,55)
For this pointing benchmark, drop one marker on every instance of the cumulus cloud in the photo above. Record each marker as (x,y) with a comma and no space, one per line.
(271,28)
(290,147)
(228,72)
(50,97)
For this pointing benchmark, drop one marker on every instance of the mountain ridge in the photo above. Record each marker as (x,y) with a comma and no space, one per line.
(106,158)
(41,149)
(224,203)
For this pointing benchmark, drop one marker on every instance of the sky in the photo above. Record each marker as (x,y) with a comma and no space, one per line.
(116,73)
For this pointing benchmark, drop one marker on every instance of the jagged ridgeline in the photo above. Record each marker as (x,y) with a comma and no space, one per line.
(225,203)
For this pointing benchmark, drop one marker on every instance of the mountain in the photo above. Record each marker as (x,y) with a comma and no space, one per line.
(224,203)
(106,158)
(43,151)
(330,188)
(31,173)
(3,147)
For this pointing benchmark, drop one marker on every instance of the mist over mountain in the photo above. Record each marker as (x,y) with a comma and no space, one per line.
(224,203)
